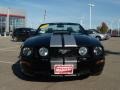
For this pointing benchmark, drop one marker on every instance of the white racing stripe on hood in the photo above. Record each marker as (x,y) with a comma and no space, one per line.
(56,41)
(69,41)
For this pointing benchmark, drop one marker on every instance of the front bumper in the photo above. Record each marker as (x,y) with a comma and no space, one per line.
(46,67)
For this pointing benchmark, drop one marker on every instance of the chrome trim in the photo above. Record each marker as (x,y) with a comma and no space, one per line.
(54,61)
(71,60)
(68,60)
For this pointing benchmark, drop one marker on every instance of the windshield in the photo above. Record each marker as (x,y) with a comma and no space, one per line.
(53,27)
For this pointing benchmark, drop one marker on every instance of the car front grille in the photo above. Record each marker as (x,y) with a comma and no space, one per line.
(67,52)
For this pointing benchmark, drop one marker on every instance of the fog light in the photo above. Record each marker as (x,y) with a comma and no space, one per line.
(25,63)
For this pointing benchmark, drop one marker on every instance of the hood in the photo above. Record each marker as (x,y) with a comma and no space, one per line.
(39,40)
(86,40)
(61,40)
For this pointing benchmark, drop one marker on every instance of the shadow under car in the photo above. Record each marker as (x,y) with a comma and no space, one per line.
(17,72)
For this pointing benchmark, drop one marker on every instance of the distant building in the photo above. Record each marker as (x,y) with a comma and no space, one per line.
(10,19)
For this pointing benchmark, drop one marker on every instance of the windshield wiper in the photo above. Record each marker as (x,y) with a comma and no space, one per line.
(61,32)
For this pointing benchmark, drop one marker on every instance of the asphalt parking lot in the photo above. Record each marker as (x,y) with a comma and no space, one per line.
(11,79)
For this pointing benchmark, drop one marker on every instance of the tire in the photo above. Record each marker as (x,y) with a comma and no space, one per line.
(98,38)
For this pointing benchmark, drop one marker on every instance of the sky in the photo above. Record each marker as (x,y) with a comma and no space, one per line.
(67,11)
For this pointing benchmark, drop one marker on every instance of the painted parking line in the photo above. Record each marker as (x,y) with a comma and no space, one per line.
(5,37)
(9,48)
(5,62)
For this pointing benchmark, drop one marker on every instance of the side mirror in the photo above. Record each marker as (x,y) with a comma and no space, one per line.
(85,32)
(37,31)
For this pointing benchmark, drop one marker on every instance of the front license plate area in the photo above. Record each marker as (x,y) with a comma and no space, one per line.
(63,69)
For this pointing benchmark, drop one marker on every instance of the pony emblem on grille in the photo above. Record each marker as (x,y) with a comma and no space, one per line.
(63,51)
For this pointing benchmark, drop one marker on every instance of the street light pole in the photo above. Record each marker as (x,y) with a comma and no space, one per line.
(118,26)
(91,5)
(7,22)
(111,27)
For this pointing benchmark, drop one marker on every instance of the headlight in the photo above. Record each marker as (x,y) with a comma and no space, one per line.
(98,50)
(43,51)
(27,51)
(83,51)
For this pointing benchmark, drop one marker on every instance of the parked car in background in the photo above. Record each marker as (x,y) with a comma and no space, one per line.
(2,34)
(115,33)
(61,49)
(94,33)
(21,34)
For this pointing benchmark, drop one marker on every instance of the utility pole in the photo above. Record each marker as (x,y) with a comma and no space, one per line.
(91,5)
(45,14)
(81,20)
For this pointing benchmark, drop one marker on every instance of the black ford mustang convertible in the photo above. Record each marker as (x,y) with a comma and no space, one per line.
(61,49)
